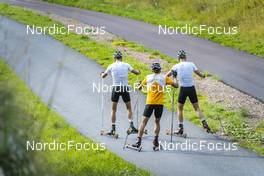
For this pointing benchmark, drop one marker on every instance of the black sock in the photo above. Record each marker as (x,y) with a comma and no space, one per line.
(156,138)
(180,125)
(113,127)
(131,123)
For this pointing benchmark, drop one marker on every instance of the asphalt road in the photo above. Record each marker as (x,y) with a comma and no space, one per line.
(56,72)
(237,69)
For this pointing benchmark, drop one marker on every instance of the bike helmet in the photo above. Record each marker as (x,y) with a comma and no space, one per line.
(156,66)
(118,55)
(181,54)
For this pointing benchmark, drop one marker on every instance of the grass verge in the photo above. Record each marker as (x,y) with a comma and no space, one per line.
(234,122)
(24,117)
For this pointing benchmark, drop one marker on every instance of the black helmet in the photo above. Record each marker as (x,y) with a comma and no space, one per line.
(117,55)
(156,66)
(181,54)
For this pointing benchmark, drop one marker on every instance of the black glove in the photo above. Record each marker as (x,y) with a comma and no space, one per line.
(174,73)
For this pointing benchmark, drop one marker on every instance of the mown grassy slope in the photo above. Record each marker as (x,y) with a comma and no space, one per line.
(248,15)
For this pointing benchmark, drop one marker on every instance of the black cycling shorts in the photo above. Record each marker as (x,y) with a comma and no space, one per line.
(118,91)
(158,109)
(187,92)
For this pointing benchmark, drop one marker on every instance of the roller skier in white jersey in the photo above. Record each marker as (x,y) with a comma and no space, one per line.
(119,71)
(185,71)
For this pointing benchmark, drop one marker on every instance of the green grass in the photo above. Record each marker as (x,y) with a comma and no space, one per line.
(234,123)
(37,122)
(247,15)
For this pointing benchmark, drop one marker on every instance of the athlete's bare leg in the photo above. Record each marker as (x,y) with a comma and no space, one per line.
(129,110)
(142,126)
(180,112)
(157,127)
(201,116)
(113,113)
(198,110)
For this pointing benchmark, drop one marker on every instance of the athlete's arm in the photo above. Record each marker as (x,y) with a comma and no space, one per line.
(136,72)
(172,82)
(105,73)
(140,86)
(142,83)
(175,84)
(172,72)
(199,73)
(169,74)
(130,68)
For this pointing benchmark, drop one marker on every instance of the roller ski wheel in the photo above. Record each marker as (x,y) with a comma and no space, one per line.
(176,133)
(131,146)
(110,134)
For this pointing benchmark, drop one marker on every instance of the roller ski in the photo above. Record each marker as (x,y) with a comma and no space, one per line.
(156,146)
(133,130)
(206,127)
(137,146)
(178,133)
(112,134)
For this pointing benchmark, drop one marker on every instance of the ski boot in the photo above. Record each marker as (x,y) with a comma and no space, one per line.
(137,146)
(112,133)
(180,132)
(156,146)
(206,127)
(132,130)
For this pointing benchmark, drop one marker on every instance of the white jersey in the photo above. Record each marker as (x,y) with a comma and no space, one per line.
(119,71)
(185,73)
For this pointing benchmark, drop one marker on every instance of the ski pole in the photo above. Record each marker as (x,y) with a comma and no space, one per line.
(102,105)
(137,103)
(135,108)
(172,112)
(174,75)
(124,146)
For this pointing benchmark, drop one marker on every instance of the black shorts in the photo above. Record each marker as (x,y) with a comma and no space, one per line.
(118,91)
(187,92)
(158,109)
